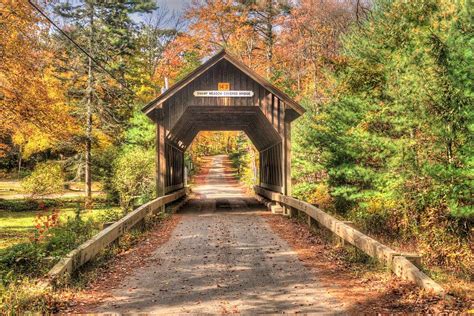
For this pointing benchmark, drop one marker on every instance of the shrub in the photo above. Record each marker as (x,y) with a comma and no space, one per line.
(19,205)
(47,178)
(376,215)
(245,159)
(34,258)
(28,297)
(110,215)
(20,259)
(43,222)
(64,238)
(27,205)
(315,193)
(447,241)
(134,177)
(104,171)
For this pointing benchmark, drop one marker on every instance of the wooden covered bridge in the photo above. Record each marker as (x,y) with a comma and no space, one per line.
(224,95)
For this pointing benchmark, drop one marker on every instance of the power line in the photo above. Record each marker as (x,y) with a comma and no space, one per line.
(78,46)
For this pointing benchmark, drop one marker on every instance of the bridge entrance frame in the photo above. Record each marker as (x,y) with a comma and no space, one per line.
(224,94)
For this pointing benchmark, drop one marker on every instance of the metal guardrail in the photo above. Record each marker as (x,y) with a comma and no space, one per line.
(88,250)
(394,260)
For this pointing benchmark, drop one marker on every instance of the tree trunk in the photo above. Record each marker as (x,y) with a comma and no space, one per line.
(449,144)
(90,82)
(269,38)
(19,161)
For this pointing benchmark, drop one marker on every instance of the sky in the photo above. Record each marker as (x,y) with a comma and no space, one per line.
(174,5)
(178,6)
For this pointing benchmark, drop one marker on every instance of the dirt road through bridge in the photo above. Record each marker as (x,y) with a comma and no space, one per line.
(221,258)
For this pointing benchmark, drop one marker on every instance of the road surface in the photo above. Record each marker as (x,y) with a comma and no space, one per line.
(222,258)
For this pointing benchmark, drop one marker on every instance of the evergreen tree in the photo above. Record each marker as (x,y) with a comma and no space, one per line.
(263,16)
(396,138)
(108,32)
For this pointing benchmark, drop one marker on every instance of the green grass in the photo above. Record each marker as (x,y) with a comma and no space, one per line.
(9,188)
(12,189)
(16,227)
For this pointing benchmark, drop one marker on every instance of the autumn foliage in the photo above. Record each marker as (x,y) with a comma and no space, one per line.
(388,86)
(32,105)
(44,221)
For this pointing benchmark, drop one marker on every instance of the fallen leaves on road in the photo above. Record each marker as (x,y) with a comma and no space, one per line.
(362,291)
(122,265)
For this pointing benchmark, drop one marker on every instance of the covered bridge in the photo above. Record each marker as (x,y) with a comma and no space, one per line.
(224,95)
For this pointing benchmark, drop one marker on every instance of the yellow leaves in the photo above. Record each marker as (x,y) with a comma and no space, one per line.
(321,197)
(378,205)
(216,23)
(101,139)
(309,44)
(32,103)
(209,142)
(31,140)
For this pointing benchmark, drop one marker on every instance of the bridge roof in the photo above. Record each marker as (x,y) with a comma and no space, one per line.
(223,54)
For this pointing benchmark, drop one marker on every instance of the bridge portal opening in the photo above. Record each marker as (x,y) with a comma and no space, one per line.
(240,157)
(224,95)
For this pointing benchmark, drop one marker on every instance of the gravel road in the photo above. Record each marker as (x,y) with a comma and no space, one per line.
(222,258)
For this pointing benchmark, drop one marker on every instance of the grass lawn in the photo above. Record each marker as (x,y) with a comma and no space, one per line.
(16,227)
(12,189)
(9,187)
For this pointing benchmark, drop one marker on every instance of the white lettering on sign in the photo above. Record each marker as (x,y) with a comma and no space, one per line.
(224,94)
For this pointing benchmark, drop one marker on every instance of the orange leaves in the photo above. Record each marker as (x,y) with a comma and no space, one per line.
(44,222)
(309,43)
(214,24)
(29,99)
(305,42)
(209,142)
(218,24)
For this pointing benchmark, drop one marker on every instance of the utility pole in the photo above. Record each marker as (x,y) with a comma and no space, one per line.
(89,104)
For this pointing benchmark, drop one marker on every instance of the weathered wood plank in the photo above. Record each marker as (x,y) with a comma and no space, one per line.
(400,265)
(96,244)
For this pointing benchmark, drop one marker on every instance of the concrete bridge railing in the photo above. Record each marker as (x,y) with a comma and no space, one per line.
(91,248)
(395,261)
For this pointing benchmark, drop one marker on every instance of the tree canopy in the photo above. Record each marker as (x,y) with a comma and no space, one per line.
(388,84)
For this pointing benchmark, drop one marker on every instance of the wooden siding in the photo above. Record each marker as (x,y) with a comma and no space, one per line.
(174,167)
(270,105)
(265,118)
(271,173)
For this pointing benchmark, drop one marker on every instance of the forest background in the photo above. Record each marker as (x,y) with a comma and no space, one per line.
(387,140)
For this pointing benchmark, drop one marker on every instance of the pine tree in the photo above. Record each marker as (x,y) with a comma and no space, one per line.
(396,137)
(263,16)
(107,31)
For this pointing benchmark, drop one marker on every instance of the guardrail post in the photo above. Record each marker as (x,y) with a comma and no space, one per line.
(276,208)
(413,258)
(293,212)
(340,241)
(309,221)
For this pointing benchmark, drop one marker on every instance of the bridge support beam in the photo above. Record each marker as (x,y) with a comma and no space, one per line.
(286,163)
(160,160)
